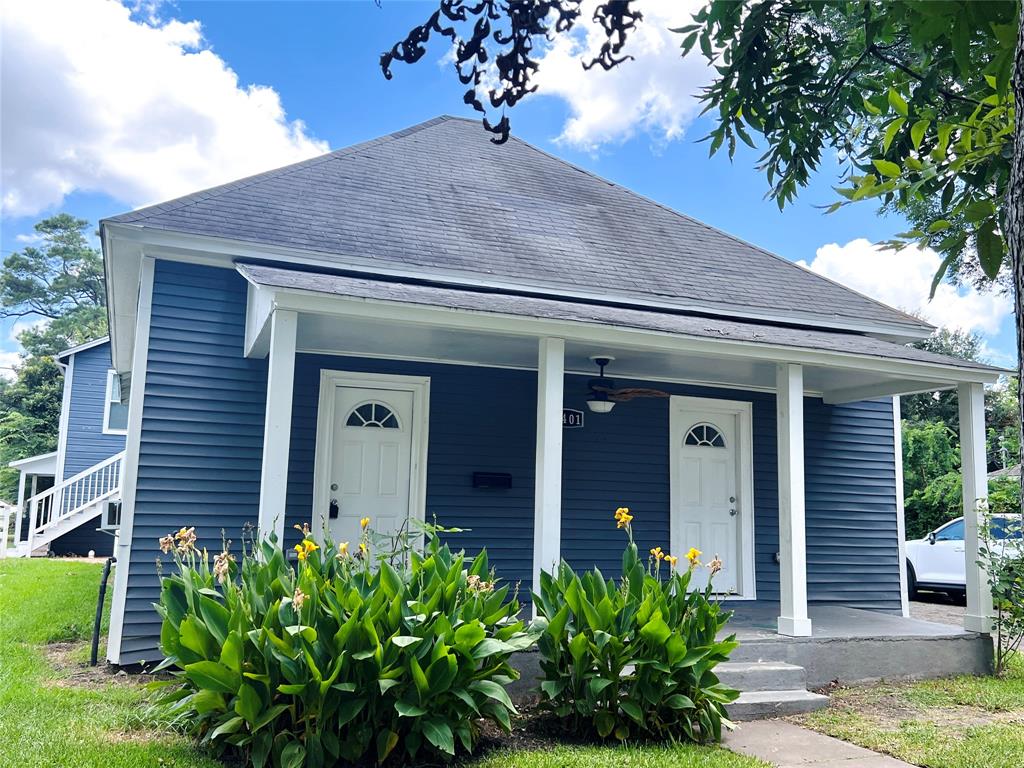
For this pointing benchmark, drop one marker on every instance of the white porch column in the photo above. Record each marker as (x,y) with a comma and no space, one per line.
(975,479)
(277,425)
(547,518)
(789,411)
(21,509)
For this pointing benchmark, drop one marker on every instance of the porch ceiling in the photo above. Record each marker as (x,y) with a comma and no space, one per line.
(356,316)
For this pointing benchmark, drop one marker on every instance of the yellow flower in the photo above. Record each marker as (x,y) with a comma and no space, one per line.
(305,548)
(622,517)
(657,554)
(694,556)
(364,523)
(301,551)
(671,560)
(363,550)
(343,549)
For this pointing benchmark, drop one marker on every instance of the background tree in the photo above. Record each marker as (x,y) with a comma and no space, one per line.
(60,283)
(915,98)
(941,406)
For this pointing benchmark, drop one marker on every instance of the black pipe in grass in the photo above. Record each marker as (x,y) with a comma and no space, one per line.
(99,611)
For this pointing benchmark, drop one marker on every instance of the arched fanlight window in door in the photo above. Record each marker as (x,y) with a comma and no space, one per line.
(373,414)
(704,435)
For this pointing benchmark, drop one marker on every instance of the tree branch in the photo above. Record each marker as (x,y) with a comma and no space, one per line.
(948,94)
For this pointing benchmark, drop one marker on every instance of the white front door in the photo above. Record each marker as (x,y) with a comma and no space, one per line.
(371,461)
(711,508)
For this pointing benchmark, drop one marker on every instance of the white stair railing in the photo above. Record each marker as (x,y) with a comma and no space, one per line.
(79,492)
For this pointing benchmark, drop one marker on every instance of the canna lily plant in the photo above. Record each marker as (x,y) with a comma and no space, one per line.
(635,658)
(341,656)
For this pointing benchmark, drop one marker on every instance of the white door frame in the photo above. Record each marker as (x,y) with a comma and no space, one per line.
(746,581)
(330,380)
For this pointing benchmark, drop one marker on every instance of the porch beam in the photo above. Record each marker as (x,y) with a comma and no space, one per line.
(974,468)
(277,423)
(881,389)
(21,509)
(547,518)
(789,411)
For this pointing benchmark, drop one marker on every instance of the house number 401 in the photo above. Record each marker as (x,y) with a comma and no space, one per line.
(572,418)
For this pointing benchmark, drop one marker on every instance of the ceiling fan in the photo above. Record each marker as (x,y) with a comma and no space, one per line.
(603,394)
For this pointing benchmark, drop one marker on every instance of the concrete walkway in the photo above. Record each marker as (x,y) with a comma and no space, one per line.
(789,746)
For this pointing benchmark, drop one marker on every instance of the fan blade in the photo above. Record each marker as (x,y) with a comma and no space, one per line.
(629,393)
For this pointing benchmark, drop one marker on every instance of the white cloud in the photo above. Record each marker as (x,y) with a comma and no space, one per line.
(654,93)
(903,279)
(7,362)
(20,326)
(136,108)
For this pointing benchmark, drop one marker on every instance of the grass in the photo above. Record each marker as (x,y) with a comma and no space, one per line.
(66,717)
(45,718)
(681,755)
(960,722)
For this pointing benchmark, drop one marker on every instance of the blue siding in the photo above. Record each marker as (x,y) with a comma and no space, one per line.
(86,443)
(202,431)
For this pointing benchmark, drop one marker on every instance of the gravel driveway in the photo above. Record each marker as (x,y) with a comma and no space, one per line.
(938,608)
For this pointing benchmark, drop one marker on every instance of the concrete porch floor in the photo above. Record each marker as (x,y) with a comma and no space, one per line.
(850,645)
(757,621)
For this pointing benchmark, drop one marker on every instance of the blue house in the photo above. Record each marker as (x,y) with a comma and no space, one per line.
(69,500)
(518,354)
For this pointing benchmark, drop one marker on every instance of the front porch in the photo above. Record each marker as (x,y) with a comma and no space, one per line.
(817,508)
(857,646)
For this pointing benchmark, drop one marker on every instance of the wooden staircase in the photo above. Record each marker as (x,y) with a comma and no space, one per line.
(62,508)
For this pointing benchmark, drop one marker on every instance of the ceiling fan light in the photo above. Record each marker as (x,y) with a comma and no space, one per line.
(599,404)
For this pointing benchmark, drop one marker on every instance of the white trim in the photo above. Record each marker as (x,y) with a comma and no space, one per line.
(901,525)
(605,335)
(130,468)
(20,463)
(226,251)
(323,460)
(547,497)
(65,417)
(978,617)
(880,389)
(588,372)
(277,424)
(82,347)
(789,412)
(107,429)
(744,452)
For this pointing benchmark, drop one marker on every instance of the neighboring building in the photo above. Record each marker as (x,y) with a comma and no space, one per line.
(68,497)
(358,335)
(1007,472)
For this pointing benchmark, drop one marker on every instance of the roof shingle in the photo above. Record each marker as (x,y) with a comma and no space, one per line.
(440,199)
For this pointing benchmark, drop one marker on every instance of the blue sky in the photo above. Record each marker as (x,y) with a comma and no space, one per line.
(129,86)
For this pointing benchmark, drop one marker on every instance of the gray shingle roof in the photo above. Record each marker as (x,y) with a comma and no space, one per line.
(554,309)
(440,198)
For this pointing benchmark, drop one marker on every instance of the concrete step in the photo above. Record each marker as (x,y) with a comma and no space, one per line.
(761,705)
(762,676)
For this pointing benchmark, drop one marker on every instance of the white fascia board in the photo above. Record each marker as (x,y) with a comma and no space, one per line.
(446,317)
(83,347)
(224,252)
(882,389)
(34,464)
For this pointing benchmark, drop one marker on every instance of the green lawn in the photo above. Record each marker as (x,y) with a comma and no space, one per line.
(962,722)
(64,717)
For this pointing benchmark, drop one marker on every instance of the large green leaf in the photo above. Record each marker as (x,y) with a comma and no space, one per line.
(213,676)
(439,733)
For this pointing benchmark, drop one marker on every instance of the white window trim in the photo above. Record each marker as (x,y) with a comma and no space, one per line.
(330,380)
(107,429)
(744,447)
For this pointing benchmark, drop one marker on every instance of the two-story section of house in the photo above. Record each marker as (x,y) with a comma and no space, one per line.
(69,500)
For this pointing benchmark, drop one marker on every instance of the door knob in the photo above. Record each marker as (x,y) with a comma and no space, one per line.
(732,513)
(332,512)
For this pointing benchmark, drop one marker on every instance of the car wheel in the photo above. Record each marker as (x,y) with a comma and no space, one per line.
(911,581)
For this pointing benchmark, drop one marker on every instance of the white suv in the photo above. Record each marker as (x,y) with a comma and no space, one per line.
(937,562)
